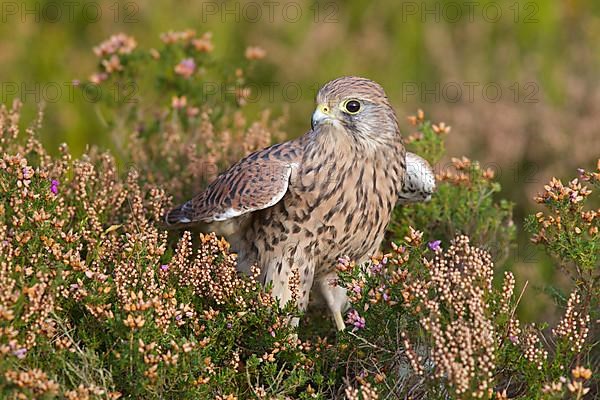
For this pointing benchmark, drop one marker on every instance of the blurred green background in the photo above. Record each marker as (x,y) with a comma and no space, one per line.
(518,81)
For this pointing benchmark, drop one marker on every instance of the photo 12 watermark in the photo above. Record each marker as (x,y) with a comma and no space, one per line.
(68,91)
(268,11)
(127,91)
(69,11)
(268,92)
(470,92)
(470,11)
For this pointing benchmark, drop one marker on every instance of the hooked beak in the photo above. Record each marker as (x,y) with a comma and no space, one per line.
(321,114)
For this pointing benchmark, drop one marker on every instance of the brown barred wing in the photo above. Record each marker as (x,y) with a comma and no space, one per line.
(258,181)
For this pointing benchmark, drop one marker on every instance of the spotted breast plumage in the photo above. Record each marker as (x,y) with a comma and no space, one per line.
(307,202)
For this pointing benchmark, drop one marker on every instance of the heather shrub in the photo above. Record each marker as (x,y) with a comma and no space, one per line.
(189,122)
(431,322)
(465,201)
(94,303)
(98,301)
(434,318)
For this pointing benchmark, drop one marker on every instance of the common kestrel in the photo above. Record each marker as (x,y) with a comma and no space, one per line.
(309,201)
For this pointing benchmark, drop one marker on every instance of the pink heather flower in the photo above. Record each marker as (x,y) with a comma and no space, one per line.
(192,111)
(97,79)
(355,320)
(113,64)
(255,53)
(575,197)
(343,264)
(344,261)
(186,67)
(27,172)
(120,43)
(178,102)
(435,245)
(356,289)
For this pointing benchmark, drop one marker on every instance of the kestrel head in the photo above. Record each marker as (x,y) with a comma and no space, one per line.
(359,106)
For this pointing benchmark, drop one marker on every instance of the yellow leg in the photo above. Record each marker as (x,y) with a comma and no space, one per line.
(336,299)
(339,320)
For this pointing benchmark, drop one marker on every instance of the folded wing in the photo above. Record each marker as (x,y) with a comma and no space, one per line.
(256,182)
(419,180)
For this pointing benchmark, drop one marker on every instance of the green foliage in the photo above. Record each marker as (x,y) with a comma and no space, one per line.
(465,201)
(182,74)
(568,229)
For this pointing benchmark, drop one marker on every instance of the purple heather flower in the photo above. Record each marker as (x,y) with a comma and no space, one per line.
(178,317)
(435,245)
(54,186)
(20,353)
(229,325)
(186,67)
(376,268)
(164,267)
(356,320)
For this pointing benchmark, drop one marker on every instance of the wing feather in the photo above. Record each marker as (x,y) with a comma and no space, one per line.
(256,182)
(419,180)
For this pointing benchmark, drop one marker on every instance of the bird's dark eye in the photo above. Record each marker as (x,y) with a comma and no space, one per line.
(352,106)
